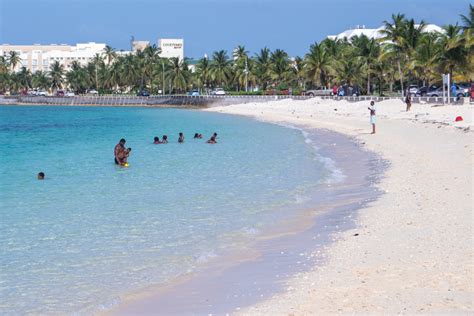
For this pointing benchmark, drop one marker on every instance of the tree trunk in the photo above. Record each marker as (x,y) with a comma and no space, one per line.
(401,77)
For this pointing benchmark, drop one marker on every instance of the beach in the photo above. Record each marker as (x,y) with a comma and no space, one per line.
(412,249)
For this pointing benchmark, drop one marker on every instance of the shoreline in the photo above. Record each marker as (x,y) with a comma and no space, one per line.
(330,212)
(413,252)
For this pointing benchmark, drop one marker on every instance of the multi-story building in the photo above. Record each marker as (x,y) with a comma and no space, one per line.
(40,57)
(171,48)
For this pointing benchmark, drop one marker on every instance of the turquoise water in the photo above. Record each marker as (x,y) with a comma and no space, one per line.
(92,232)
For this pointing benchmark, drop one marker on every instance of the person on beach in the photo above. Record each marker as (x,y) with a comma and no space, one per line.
(212,140)
(41,175)
(334,90)
(156,140)
(121,153)
(408,101)
(164,139)
(181,138)
(372,115)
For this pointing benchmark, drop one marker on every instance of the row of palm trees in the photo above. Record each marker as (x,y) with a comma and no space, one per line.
(406,54)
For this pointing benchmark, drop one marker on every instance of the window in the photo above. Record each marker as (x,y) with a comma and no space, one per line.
(34,62)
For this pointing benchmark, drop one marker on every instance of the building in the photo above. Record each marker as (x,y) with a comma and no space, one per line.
(360,30)
(171,48)
(40,57)
(139,45)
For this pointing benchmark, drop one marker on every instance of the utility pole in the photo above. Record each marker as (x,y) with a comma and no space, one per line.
(163,85)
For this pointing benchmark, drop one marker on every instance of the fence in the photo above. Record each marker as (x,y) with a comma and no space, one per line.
(191,101)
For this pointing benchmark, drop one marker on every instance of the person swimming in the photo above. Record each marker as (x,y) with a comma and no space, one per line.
(212,140)
(181,138)
(41,175)
(196,135)
(156,140)
(164,139)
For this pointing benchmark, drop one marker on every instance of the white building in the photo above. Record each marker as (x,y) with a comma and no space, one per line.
(171,48)
(40,57)
(376,33)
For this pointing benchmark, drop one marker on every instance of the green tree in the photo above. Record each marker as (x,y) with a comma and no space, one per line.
(317,64)
(220,68)
(56,75)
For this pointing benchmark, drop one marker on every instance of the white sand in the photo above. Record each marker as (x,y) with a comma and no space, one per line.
(414,251)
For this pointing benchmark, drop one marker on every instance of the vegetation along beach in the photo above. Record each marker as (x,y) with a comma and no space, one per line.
(269,169)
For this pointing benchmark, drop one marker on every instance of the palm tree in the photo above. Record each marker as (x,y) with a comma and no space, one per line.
(468,20)
(3,64)
(14,59)
(393,37)
(426,57)
(23,78)
(40,80)
(317,64)
(241,70)
(203,73)
(77,77)
(368,50)
(298,72)
(453,51)
(110,54)
(220,68)
(262,68)
(279,67)
(56,75)
(179,74)
(349,70)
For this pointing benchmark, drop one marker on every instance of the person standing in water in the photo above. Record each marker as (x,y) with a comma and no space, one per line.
(156,140)
(41,175)
(120,152)
(181,138)
(164,139)
(372,115)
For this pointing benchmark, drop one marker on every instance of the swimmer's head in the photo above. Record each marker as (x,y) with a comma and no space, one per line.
(123,141)
(156,139)
(41,176)
(165,137)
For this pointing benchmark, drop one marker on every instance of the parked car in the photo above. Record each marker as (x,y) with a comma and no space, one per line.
(60,93)
(218,91)
(421,92)
(465,88)
(194,93)
(69,94)
(92,91)
(413,89)
(439,92)
(143,93)
(319,91)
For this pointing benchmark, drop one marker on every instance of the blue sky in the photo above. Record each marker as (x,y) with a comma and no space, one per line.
(207,25)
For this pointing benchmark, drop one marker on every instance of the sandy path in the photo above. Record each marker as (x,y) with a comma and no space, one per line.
(414,248)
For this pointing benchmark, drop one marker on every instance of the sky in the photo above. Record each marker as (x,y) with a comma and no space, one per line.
(208,25)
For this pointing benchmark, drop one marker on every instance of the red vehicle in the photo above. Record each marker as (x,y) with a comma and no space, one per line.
(472,91)
(60,93)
